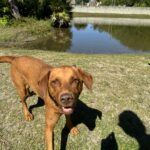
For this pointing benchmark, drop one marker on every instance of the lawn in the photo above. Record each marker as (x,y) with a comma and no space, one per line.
(119,103)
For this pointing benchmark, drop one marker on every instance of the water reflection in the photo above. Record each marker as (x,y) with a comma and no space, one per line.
(137,38)
(110,39)
(57,40)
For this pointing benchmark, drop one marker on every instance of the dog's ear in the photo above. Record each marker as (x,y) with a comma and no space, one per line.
(86,78)
(43,83)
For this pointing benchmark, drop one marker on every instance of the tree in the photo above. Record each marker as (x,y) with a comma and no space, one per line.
(34,8)
(127,2)
(131,2)
(14,9)
(4,9)
(147,2)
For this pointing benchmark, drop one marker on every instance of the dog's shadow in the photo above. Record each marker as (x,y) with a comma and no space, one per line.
(40,103)
(134,127)
(82,114)
(109,143)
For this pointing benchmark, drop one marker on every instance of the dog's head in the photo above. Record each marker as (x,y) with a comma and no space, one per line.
(64,85)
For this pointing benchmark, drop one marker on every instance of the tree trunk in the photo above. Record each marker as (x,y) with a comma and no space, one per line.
(14,9)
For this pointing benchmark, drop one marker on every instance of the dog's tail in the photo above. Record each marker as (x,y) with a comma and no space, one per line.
(7,59)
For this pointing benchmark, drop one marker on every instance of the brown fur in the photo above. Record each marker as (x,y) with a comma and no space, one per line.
(59,87)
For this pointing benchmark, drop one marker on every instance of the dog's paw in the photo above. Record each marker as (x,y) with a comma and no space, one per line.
(74,131)
(29,117)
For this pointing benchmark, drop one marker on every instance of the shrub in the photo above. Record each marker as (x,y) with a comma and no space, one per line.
(4,21)
(60,19)
(61,13)
(4,9)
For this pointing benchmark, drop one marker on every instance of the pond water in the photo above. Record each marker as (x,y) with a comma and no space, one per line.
(110,39)
(92,38)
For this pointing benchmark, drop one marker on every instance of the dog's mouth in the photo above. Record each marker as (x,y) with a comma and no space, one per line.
(67,110)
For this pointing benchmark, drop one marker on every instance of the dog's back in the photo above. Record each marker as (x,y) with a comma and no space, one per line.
(6,59)
(26,68)
(26,65)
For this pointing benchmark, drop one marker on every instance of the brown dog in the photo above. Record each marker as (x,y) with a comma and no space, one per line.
(59,87)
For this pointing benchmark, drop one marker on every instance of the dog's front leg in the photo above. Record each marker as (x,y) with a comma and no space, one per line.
(51,120)
(73,129)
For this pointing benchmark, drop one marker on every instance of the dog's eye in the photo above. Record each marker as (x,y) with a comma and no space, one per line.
(55,83)
(76,81)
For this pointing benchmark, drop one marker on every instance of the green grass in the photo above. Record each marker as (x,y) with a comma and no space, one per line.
(111,15)
(26,29)
(121,82)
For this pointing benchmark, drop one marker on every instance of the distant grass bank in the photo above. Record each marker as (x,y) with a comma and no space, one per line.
(121,82)
(110,15)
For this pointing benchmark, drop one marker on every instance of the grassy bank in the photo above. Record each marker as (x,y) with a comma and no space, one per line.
(26,29)
(111,15)
(121,82)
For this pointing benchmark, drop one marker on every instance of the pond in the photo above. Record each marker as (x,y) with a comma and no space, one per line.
(93,38)
(110,39)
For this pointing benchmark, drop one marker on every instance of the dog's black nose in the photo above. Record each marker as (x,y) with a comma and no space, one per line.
(66,98)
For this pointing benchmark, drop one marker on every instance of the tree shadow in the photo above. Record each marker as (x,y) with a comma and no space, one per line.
(40,103)
(82,114)
(109,143)
(133,126)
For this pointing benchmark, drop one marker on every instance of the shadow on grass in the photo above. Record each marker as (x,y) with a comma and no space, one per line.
(39,103)
(82,114)
(109,143)
(133,126)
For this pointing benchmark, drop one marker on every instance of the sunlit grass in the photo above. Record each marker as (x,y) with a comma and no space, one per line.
(25,29)
(121,82)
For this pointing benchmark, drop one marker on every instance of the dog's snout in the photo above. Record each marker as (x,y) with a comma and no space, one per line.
(66,98)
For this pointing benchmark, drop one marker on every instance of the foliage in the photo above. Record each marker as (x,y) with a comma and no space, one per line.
(41,8)
(60,19)
(61,13)
(142,3)
(44,8)
(81,1)
(147,2)
(4,9)
(36,8)
(59,6)
(4,21)
(4,13)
